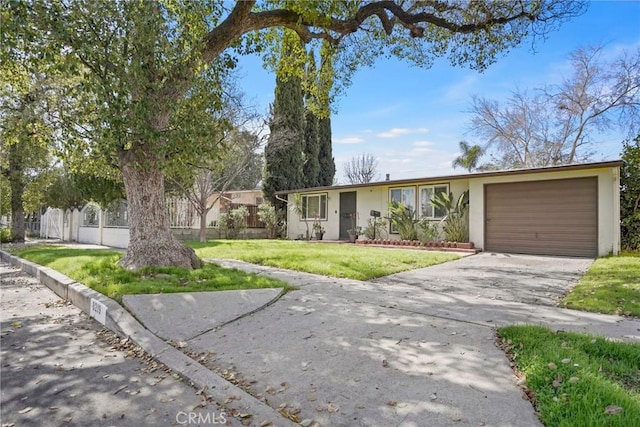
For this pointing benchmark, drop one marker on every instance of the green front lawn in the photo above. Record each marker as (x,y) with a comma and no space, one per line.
(576,379)
(329,259)
(97,269)
(612,285)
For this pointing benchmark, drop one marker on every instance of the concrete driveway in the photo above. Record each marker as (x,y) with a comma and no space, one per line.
(412,349)
(539,280)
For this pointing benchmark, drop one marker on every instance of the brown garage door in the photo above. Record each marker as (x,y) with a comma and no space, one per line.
(558,217)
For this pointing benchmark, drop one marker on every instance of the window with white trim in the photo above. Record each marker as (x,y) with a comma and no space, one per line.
(404,195)
(314,205)
(427,192)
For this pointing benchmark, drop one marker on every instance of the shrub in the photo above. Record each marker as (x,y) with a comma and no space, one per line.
(454,224)
(375,229)
(5,235)
(455,228)
(403,219)
(429,230)
(231,224)
(269,216)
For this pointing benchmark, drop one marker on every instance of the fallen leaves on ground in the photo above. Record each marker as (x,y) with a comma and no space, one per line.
(612,409)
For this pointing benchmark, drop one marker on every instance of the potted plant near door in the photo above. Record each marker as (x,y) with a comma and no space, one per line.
(317,227)
(354,231)
(353,234)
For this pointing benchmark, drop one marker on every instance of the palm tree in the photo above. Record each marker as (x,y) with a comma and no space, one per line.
(469,157)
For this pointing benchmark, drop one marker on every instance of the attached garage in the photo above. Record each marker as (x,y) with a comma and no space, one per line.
(552,217)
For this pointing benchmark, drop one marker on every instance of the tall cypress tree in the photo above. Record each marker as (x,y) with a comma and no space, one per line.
(327,163)
(284,150)
(325,82)
(311,166)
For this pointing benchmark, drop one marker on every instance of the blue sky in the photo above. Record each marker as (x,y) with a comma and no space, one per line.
(412,119)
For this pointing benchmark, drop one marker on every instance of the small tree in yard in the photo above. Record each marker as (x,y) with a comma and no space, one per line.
(234,222)
(297,207)
(469,156)
(235,166)
(269,216)
(630,195)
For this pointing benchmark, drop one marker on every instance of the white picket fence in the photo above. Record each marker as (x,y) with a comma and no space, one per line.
(110,226)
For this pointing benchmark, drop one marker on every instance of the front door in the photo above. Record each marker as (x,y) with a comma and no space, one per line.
(347,208)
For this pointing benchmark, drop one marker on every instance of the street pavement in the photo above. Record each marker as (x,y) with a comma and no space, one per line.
(60,368)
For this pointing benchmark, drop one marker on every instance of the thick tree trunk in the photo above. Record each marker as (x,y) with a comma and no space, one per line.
(203,210)
(17,215)
(203,226)
(16,181)
(151,243)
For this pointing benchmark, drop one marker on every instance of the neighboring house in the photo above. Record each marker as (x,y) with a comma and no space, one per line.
(111,226)
(232,199)
(571,210)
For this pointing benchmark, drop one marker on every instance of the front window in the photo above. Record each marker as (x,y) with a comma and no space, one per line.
(427,193)
(405,196)
(314,206)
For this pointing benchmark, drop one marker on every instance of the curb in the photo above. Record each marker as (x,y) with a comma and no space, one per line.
(114,317)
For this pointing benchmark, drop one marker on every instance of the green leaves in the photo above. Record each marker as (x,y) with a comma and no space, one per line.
(403,220)
(630,195)
(455,222)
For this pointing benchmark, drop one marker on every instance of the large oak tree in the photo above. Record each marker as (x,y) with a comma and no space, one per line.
(139,60)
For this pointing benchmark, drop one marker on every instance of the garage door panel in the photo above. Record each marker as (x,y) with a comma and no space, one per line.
(557,217)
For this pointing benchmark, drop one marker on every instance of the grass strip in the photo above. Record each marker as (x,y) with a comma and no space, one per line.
(611,285)
(576,379)
(97,269)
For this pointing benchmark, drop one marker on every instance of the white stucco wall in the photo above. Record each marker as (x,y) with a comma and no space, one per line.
(89,235)
(367,199)
(118,237)
(608,203)
(376,197)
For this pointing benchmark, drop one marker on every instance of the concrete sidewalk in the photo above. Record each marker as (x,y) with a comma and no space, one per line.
(237,403)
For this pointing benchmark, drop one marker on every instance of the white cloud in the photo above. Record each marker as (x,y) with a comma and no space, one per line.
(349,140)
(396,132)
(423,144)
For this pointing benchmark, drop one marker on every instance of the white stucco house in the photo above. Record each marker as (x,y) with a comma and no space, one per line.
(571,210)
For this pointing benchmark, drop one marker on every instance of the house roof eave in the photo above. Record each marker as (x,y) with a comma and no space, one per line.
(562,168)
